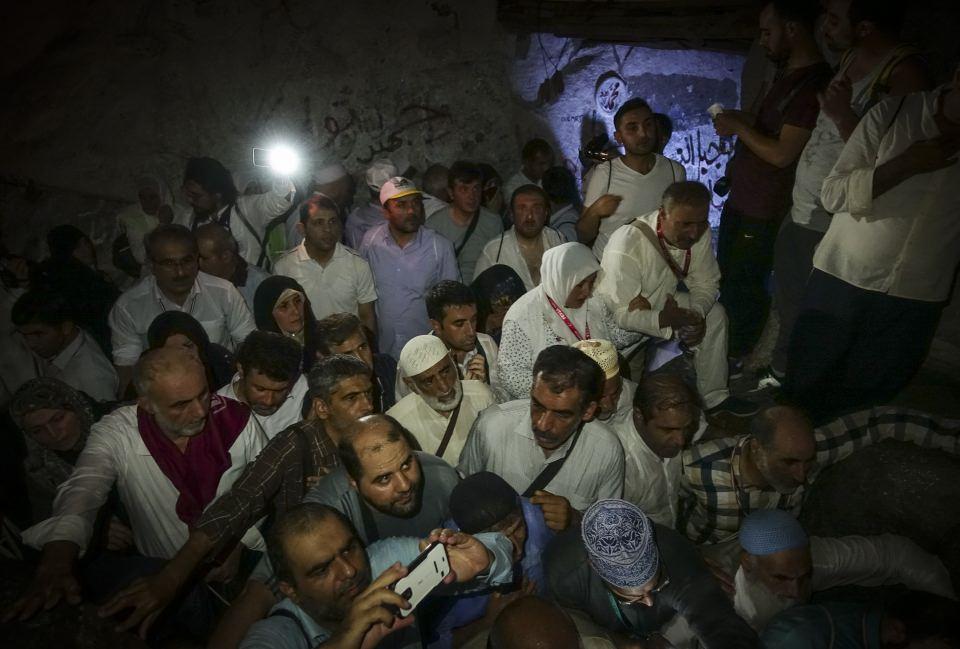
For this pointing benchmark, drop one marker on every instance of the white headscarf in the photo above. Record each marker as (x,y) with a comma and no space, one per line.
(561,269)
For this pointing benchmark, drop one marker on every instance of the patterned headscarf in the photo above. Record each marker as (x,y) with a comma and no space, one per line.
(43,464)
(620,543)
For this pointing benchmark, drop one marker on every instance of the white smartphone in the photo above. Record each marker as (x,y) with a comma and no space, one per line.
(425,573)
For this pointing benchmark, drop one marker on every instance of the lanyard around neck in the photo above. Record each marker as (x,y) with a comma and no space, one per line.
(668,257)
(572,327)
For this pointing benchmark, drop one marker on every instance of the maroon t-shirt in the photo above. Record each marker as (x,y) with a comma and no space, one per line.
(759,189)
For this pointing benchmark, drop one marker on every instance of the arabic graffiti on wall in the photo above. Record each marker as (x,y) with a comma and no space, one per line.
(367,133)
(704,154)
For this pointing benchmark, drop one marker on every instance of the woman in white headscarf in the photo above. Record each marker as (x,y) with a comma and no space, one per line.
(561,311)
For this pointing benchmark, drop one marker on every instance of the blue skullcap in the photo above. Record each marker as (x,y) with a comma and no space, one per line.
(620,543)
(768,531)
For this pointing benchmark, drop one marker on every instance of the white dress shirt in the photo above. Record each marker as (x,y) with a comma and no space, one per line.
(905,242)
(215,303)
(428,426)
(631,265)
(502,442)
(286,414)
(505,250)
(339,287)
(83,366)
(115,454)
(258,209)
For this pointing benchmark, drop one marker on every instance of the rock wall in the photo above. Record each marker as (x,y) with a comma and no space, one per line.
(122,89)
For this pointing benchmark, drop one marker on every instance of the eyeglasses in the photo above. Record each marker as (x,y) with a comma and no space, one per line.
(642,599)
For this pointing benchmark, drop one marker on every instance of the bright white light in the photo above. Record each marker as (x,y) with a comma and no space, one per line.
(283,160)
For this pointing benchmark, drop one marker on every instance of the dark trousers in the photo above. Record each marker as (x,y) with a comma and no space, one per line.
(745,256)
(852,347)
(792,265)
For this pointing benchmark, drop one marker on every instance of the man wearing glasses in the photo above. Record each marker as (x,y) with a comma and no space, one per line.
(642,582)
(175,283)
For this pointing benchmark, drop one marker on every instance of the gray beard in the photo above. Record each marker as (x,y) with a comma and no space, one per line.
(445,406)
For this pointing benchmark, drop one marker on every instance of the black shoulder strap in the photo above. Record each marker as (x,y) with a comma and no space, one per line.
(448,433)
(369,525)
(609,174)
(468,234)
(261,242)
(282,612)
(551,470)
(500,247)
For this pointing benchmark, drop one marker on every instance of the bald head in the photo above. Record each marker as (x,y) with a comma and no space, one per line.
(532,622)
(368,435)
(218,251)
(783,447)
(165,364)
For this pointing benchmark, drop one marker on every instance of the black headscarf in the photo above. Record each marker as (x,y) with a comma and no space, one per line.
(217,360)
(264,301)
(496,285)
(63,240)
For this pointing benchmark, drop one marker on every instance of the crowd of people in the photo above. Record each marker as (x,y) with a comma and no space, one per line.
(292,397)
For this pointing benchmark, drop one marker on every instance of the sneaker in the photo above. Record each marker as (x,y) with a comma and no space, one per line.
(734,368)
(736,407)
(769,379)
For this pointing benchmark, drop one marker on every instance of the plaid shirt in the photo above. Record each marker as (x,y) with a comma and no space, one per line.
(714,500)
(277,479)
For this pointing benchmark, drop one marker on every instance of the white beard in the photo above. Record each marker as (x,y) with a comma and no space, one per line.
(755,603)
(444,406)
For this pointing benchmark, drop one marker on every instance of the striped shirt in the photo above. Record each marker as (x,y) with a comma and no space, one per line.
(276,480)
(714,499)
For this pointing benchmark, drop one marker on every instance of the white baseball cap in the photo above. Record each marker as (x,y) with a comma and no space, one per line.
(397,187)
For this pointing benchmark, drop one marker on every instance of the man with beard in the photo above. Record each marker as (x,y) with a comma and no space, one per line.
(293,461)
(175,284)
(665,257)
(548,447)
(269,381)
(406,259)
(522,246)
(467,224)
(441,409)
(616,399)
(384,487)
(631,184)
(220,257)
(336,279)
(769,467)
(338,587)
(761,171)
(781,567)
(874,66)
(210,192)
(169,456)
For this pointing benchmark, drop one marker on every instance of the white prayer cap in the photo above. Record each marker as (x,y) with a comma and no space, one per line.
(603,352)
(380,172)
(420,354)
(328,173)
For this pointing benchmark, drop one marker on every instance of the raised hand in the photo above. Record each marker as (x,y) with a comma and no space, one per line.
(371,616)
(557,511)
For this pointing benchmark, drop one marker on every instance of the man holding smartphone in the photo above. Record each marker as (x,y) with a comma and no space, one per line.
(332,597)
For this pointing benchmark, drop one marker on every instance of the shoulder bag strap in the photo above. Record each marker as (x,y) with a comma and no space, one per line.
(551,470)
(448,433)
(500,247)
(252,231)
(651,236)
(282,612)
(468,234)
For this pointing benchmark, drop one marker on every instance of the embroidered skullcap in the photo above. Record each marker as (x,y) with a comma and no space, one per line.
(379,172)
(420,354)
(603,353)
(328,173)
(768,531)
(620,543)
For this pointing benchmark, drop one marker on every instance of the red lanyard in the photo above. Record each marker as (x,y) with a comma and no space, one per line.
(566,321)
(668,257)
